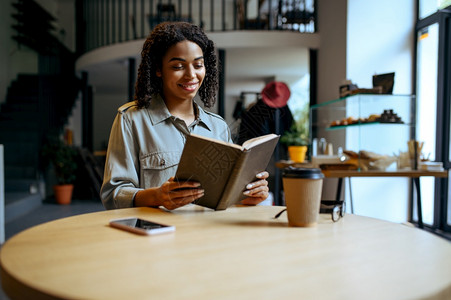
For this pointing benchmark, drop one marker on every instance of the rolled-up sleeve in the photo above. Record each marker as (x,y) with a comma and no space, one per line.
(121,176)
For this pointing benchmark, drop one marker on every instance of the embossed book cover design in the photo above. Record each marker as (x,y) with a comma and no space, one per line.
(223,169)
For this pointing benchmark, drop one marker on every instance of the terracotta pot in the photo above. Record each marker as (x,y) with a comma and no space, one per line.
(297,153)
(63,193)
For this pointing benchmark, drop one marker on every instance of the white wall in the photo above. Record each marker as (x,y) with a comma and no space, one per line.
(331,66)
(332,26)
(14,59)
(380,40)
(105,109)
(64,13)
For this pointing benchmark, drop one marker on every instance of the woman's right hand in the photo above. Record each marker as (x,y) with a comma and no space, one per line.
(171,194)
(175,194)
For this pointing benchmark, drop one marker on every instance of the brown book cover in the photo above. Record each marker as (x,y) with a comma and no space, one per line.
(224,169)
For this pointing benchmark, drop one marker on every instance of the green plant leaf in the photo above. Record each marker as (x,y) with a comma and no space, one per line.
(63,159)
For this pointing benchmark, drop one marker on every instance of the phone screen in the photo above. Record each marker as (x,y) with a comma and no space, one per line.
(141,226)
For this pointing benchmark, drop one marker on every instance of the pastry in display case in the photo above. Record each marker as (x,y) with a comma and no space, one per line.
(388,116)
(370,129)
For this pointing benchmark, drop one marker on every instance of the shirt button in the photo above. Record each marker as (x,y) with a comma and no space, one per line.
(162,162)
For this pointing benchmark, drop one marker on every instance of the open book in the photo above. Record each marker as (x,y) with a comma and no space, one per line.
(224,169)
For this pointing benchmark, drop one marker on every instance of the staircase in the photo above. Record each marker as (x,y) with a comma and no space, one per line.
(35,105)
(20,135)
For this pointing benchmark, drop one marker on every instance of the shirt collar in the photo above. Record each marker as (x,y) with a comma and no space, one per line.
(203,117)
(160,112)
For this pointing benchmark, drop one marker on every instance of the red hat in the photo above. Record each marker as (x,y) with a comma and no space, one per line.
(276,94)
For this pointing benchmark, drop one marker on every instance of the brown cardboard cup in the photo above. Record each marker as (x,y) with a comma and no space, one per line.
(302,188)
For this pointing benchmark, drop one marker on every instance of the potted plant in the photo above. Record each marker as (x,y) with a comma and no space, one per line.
(296,140)
(62,158)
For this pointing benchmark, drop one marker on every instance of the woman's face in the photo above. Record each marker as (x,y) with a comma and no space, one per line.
(182,71)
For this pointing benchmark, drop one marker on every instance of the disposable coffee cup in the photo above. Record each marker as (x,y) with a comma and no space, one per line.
(302,188)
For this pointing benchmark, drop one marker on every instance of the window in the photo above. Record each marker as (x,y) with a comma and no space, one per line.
(433,73)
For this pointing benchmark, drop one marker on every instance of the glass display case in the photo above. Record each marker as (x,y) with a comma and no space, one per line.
(363,131)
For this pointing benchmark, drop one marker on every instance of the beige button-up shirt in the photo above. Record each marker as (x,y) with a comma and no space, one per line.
(145,147)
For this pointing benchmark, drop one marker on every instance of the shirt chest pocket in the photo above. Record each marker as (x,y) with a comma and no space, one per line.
(156,168)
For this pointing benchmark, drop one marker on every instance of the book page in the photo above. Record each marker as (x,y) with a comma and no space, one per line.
(217,141)
(258,140)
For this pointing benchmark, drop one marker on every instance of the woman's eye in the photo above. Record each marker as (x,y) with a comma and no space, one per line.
(177,67)
(199,66)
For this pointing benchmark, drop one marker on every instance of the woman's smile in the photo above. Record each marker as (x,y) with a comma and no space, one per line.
(191,86)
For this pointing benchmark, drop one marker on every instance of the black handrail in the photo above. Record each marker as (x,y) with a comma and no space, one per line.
(114,21)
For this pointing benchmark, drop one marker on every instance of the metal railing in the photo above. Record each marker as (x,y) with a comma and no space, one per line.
(105,22)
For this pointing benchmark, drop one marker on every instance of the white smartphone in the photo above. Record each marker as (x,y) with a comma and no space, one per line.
(140,226)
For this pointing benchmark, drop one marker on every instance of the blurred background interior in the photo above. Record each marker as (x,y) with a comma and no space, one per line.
(67,65)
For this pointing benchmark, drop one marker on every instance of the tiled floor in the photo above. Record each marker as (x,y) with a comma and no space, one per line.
(49,211)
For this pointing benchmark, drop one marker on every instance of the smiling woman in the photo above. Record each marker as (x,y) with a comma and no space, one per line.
(182,73)
(178,62)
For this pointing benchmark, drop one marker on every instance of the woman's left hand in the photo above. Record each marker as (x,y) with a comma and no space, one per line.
(257,191)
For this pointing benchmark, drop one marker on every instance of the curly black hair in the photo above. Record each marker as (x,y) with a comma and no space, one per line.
(155,47)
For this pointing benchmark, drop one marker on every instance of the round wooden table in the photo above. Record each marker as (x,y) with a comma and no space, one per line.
(239,253)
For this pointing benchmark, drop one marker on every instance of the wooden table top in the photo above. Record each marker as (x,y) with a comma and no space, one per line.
(239,253)
(368,173)
(374,173)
